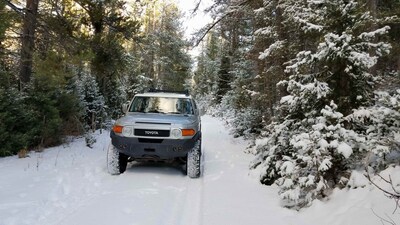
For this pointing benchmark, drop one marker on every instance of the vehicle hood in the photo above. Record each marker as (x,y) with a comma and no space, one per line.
(132,118)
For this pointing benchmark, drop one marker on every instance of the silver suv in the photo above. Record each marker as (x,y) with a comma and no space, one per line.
(157,126)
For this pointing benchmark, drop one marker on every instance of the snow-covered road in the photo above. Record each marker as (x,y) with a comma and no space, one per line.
(69,185)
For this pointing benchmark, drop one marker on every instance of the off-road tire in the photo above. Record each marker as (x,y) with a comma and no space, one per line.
(116,161)
(193,162)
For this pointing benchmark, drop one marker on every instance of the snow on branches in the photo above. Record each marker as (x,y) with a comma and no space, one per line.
(307,157)
(329,122)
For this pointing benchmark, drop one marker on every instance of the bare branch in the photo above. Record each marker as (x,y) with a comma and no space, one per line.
(209,28)
(392,195)
(391,184)
(83,6)
(383,178)
(196,7)
(14,7)
(382,219)
(233,9)
(397,206)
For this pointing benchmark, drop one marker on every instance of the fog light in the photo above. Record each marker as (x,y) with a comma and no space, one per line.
(176,133)
(127,131)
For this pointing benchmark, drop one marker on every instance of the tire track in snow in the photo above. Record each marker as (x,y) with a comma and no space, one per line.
(178,206)
(188,205)
(194,201)
(145,195)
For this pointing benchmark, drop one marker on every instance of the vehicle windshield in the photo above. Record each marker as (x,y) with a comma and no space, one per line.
(161,105)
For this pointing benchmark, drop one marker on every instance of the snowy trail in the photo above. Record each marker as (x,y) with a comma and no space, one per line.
(69,185)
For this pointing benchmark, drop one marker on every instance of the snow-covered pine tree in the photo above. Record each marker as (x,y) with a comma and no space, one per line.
(205,75)
(116,97)
(241,101)
(225,68)
(247,118)
(92,104)
(380,126)
(277,38)
(311,147)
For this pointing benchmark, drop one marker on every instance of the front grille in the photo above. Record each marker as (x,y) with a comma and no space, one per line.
(150,140)
(153,123)
(152,133)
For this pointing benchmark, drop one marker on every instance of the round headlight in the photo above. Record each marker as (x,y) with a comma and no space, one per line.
(127,131)
(176,133)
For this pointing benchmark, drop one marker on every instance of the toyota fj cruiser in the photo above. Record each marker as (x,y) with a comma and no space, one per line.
(158,126)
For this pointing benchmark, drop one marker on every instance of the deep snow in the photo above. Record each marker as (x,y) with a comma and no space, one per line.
(69,185)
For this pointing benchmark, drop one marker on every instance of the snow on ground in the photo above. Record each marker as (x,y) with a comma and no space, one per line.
(69,185)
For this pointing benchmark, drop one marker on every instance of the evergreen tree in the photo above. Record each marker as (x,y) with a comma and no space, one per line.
(92,102)
(310,148)
(72,36)
(17,122)
(162,48)
(111,28)
(206,73)
(224,77)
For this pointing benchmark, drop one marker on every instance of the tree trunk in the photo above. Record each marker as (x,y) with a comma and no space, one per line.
(93,125)
(28,40)
(398,66)
(372,5)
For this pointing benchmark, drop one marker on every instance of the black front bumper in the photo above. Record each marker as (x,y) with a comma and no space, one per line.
(146,148)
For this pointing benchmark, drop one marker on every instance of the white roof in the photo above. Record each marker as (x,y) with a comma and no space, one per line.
(163,94)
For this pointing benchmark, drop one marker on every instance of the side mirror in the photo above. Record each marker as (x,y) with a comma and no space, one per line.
(125,107)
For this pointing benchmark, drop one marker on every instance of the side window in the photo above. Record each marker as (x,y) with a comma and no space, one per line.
(184,106)
(189,107)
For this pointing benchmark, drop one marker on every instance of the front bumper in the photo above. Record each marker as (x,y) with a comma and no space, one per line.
(146,148)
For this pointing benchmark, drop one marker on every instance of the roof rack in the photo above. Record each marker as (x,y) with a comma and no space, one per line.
(185,92)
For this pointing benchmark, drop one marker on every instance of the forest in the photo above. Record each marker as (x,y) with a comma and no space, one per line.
(314,84)
(68,66)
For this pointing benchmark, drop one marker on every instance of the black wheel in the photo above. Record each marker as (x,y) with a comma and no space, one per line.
(123,162)
(193,162)
(116,161)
